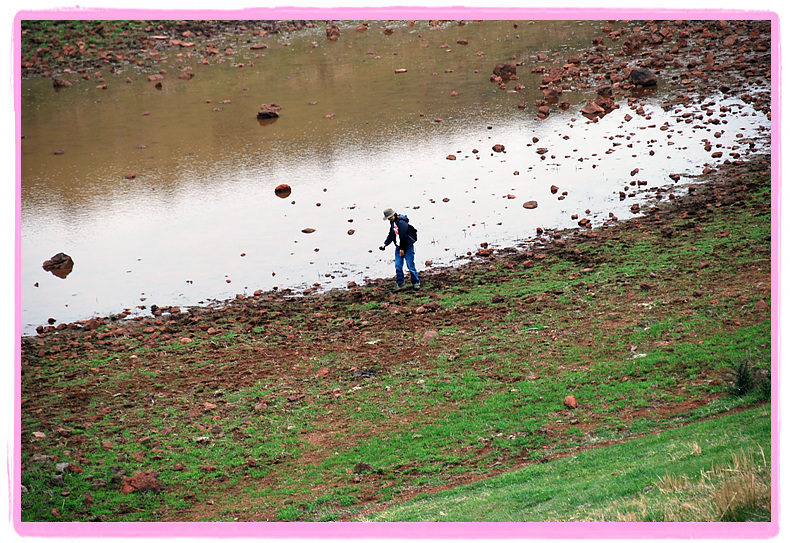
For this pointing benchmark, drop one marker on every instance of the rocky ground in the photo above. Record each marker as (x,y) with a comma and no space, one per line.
(73,375)
(727,57)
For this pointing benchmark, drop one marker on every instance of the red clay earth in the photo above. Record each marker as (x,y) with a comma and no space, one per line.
(720,63)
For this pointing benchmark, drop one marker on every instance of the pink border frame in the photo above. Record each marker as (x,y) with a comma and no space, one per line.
(401,531)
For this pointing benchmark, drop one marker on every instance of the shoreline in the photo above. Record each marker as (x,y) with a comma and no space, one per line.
(528,254)
(724,67)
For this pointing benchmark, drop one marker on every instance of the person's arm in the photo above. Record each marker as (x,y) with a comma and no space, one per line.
(390,239)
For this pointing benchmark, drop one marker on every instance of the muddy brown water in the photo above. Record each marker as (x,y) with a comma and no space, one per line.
(166,196)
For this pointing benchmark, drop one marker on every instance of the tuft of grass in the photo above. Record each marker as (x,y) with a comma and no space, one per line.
(737,491)
(746,379)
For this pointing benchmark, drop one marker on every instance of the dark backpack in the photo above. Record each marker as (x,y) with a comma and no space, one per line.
(412,233)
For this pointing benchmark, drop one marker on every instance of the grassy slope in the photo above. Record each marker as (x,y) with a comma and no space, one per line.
(693,473)
(259,411)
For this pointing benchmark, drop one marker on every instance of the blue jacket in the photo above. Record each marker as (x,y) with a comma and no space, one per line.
(403,240)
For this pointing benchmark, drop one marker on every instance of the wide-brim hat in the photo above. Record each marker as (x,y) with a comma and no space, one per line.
(389,212)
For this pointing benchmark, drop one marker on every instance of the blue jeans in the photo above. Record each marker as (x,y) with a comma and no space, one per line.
(408,257)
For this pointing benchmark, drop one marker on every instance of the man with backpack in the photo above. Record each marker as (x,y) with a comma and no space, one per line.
(404,235)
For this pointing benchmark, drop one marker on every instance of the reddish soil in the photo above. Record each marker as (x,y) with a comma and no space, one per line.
(331,327)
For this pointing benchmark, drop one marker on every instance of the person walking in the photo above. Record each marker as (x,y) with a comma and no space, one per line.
(404,236)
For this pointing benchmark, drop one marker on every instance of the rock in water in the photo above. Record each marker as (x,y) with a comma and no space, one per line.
(59,265)
(269,111)
(283,190)
(505,71)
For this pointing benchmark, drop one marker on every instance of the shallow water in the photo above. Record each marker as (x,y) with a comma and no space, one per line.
(199,220)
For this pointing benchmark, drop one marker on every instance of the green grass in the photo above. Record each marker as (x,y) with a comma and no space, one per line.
(710,462)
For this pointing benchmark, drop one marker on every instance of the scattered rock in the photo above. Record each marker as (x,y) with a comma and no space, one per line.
(592,108)
(532,204)
(332,33)
(571,403)
(59,84)
(147,481)
(643,77)
(269,111)
(505,71)
(430,335)
(428,307)
(283,190)
(60,265)
(362,467)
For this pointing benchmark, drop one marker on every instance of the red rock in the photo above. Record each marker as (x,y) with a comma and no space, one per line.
(269,111)
(505,71)
(332,32)
(591,108)
(498,148)
(532,204)
(571,403)
(283,190)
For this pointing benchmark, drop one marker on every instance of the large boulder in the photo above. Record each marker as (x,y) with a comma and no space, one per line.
(59,265)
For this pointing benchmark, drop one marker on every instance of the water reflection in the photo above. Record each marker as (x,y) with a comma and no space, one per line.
(202,218)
